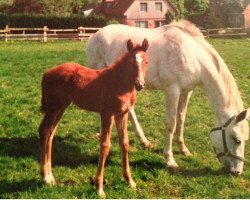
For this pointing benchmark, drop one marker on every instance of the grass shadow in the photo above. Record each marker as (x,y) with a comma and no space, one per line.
(154,166)
(66,150)
(199,172)
(13,188)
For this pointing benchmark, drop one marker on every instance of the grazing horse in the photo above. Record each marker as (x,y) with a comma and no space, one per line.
(179,60)
(110,91)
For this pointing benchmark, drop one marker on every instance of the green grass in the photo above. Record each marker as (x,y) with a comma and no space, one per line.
(75,150)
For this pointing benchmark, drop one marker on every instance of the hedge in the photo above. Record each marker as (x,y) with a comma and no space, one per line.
(38,21)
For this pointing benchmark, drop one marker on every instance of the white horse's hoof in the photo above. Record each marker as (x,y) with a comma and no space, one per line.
(147,144)
(186,153)
(171,164)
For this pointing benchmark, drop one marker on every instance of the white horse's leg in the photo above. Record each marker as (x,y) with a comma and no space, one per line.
(181,116)
(137,128)
(172,95)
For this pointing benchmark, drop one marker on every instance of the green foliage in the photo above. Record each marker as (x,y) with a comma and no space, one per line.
(9,2)
(4,19)
(76,147)
(113,21)
(33,21)
(26,6)
(47,7)
(180,4)
(196,7)
(225,13)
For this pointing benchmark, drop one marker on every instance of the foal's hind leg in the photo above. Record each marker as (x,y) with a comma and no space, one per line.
(181,116)
(137,128)
(121,124)
(47,131)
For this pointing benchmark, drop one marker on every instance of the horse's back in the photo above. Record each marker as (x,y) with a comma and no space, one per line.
(106,45)
(177,53)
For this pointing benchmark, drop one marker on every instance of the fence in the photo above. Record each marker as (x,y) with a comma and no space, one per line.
(225,32)
(81,33)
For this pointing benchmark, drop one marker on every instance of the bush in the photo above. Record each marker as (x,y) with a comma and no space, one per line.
(38,21)
(3,20)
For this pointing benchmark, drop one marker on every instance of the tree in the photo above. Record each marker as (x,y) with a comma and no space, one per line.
(48,7)
(196,7)
(191,7)
(64,7)
(26,6)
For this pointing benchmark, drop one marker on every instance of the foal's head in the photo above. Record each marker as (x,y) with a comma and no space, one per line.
(139,60)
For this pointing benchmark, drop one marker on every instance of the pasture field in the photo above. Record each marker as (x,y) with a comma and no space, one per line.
(76,146)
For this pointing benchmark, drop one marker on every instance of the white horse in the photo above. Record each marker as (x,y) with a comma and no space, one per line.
(179,60)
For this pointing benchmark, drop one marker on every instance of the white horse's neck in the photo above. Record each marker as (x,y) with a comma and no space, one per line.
(222,92)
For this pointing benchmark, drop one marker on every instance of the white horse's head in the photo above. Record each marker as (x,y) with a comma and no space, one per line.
(229,142)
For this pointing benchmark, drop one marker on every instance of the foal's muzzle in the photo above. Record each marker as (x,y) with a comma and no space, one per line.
(139,85)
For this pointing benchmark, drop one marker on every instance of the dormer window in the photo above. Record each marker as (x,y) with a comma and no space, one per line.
(158,6)
(143,7)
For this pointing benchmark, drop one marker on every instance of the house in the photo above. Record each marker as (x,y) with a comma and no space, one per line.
(88,9)
(140,13)
(246,14)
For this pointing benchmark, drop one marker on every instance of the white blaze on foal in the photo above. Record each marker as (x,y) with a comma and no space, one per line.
(139,59)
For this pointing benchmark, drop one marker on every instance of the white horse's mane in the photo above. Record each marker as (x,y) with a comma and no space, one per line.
(188,27)
(230,84)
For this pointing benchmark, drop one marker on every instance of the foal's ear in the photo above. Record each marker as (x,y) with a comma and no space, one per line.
(145,45)
(130,45)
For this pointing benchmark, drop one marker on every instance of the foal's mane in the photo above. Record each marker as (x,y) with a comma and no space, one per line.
(122,58)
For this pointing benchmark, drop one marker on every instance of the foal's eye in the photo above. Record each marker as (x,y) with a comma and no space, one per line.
(237,141)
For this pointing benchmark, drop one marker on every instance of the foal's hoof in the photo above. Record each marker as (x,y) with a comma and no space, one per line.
(101,194)
(49,180)
(132,185)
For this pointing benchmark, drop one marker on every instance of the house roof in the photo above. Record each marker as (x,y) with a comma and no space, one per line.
(120,7)
(89,6)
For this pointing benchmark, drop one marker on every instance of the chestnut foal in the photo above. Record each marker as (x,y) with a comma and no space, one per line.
(110,91)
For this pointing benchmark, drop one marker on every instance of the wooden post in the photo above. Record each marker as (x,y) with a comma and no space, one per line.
(45,37)
(6,33)
(81,33)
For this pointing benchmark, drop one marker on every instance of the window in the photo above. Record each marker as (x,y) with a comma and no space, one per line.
(108,4)
(158,6)
(159,23)
(144,7)
(141,24)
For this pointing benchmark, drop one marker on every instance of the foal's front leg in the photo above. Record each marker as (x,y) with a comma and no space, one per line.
(121,125)
(107,121)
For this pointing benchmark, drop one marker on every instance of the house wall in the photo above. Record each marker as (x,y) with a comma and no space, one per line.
(151,16)
(247,18)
